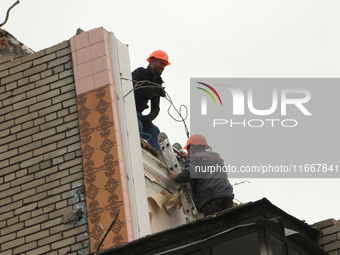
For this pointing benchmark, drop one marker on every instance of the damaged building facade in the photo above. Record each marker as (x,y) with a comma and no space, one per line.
(75,178)
(66,164)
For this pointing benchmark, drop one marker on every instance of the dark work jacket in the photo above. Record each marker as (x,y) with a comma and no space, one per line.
(150,92)
(205,186)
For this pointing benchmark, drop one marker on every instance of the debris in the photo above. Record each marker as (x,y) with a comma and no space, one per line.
(79,31)
(11,46)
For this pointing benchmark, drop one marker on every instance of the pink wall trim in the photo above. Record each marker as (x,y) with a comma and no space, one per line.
(92,60)
(93,68)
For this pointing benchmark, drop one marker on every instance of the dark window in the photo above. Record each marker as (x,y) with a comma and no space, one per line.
(278,247)
(245,245)
(294,252)
(195,253)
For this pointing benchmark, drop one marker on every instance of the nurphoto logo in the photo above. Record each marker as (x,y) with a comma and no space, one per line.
(270,127)
(241,99)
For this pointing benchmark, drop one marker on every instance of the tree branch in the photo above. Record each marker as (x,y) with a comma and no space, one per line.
(7,14)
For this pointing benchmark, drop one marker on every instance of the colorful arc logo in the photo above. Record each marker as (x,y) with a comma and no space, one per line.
(209,93)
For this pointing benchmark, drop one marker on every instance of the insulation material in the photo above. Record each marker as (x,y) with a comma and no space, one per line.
(166,200)
(151,177)
(171,200)
(150,215)
(159,197)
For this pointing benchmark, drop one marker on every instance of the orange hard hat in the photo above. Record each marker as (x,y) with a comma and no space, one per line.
(159,54)
(196,140)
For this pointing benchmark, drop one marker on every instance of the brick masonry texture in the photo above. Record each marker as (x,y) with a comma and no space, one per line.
(42,200)
(329,240)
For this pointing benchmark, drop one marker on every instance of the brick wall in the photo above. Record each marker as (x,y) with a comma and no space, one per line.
(329,240)
(42,208)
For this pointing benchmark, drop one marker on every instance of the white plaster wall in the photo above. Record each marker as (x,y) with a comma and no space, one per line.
(131,140)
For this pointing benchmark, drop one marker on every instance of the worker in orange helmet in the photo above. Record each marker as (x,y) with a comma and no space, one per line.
(147,84)
(211,189)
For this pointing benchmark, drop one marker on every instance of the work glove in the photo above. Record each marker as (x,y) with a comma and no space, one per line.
(159,91)
(162,92)
(145,120)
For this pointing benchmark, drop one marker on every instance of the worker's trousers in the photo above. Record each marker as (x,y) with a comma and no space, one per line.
(217,205)
(149,133)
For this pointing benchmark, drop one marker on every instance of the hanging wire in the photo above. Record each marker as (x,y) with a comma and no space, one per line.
(179,112)
(138,85)
(146,134)
(239,183)
(242,182)
(239,201)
